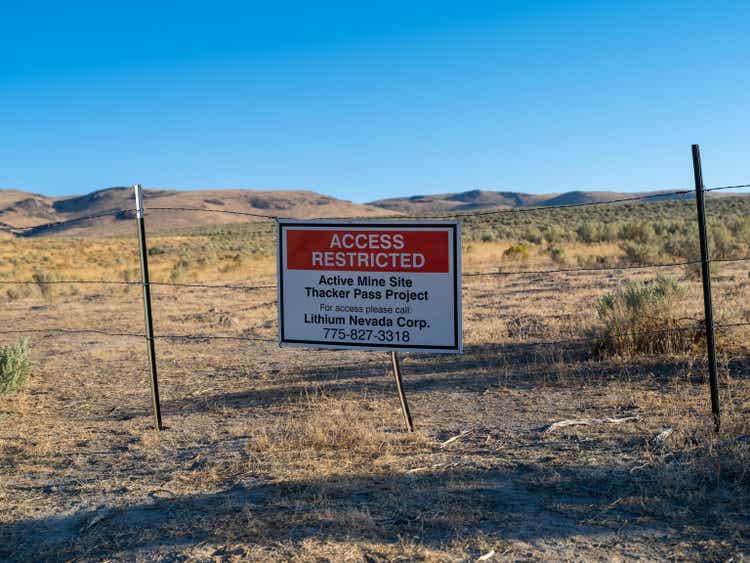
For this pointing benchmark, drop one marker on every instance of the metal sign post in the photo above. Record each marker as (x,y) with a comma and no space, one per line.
(706,277)
(147,305)
(401,394)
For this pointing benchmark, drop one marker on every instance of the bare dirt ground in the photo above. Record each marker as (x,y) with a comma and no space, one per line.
(289,454)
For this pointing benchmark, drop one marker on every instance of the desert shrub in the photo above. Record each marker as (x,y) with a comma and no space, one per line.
(518,252)
(19,292)
(131,274)
(14,366)
(158,249)
(487,236)
(741,229)
(557,253)
(637,231)
(44,281)
(683,246)
(640,253)
(206,260)
(533,235)
(554,233)
(588,232)
(609,232)
(723,243)
(641,318)
(178,270)
(594,261)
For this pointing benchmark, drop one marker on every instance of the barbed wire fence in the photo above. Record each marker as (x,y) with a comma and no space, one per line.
(708,329)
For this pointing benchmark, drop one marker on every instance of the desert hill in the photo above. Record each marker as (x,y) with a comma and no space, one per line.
(24,209)
(485,199)
(37,214)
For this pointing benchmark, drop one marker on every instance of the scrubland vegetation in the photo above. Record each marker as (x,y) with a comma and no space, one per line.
(290,454)
(14,366)
(642,232)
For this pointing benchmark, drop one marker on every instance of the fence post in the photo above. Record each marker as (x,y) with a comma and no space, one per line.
(401,394)
(147,305)
(706,277)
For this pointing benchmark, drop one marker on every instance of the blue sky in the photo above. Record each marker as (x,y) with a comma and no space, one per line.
(365,100)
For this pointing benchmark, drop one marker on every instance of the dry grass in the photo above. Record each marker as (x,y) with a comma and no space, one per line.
(289,454)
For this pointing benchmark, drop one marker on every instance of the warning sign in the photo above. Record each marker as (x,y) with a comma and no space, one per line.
(364,285)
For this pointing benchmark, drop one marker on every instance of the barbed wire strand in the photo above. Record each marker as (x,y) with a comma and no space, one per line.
(231,212)
(212,286)
(466,274)
(603,268)
(698,327)
(213,337)
(736,187)
(44,226)
(572,270)
(662,195)
(71,331)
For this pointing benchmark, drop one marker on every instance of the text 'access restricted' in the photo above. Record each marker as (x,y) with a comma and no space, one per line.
(370,285)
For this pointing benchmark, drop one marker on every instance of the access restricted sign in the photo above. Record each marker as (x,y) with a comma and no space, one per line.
(370,285)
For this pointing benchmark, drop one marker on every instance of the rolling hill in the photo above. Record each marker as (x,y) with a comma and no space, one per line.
(37,213)
(485,199)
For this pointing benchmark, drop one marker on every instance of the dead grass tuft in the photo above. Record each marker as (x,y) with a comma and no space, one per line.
(356,427)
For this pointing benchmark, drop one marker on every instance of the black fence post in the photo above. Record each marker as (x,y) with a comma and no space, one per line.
(147,305)
(706,277)
(401,394)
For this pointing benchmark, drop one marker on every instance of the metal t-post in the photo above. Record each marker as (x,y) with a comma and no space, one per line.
(401,394)
(147,305)
(706,277)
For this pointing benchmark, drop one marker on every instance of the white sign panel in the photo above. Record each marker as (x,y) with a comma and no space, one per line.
(370,285)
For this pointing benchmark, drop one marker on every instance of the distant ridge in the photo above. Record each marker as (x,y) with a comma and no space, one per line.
(24,209)
(486,199)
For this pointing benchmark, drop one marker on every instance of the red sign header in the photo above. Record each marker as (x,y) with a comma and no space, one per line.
(368,250)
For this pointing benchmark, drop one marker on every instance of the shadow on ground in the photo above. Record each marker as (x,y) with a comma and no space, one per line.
(478,369)
(527,503)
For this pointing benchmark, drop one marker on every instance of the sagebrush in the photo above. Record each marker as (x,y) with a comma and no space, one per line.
(14,366)
(642,317)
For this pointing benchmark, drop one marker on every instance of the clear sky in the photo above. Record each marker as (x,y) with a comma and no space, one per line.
(365,100)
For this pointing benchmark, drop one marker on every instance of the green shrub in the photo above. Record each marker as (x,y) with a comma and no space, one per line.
(519,252)
(158,249)
(557,253)
(683,246)
(638,231)
(554,233)
(14,366)
(641,317)
(640,253)
(723,244)
(609,232)
(589,232)
(741,229)
(533,235)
